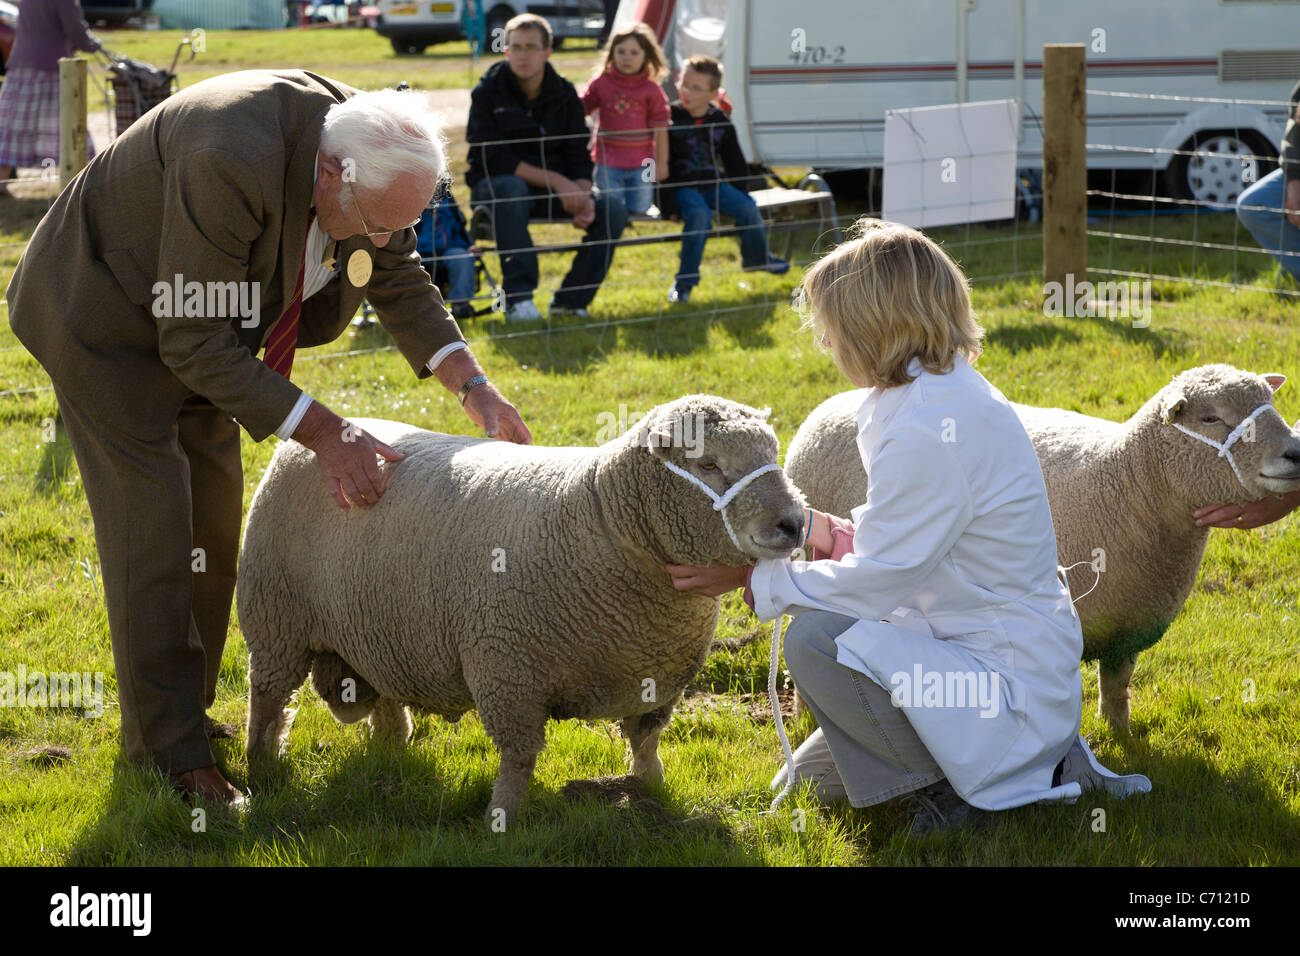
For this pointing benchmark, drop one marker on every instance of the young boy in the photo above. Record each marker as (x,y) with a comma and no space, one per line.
(699,137)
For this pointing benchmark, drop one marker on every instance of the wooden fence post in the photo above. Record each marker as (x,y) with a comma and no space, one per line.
(1065,172)
(72,118)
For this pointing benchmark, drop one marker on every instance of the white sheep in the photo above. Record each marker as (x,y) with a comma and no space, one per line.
(1121,496)
(524,581)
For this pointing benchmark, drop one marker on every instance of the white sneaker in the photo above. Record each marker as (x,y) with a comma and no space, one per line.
(522,311)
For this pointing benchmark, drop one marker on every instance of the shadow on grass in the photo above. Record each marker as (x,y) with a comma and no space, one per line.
(379,804)
(1052,334)
(1196,814)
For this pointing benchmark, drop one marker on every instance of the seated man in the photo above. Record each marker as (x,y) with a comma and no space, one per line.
(700,135)
(528,157)
(1270,209)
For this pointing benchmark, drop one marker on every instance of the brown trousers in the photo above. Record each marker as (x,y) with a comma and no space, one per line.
(167,517)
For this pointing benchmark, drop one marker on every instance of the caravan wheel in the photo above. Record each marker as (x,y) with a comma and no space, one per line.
(1217,166)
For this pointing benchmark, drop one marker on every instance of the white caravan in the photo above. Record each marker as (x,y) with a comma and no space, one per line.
(811,80)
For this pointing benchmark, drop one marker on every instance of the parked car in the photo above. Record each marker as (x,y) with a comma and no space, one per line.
(413,27)
(8,31)
(114,11)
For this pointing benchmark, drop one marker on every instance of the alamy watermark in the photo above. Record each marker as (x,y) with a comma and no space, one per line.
(208,300)
(1112,300)
(686,431)
(74,690)
(955,689)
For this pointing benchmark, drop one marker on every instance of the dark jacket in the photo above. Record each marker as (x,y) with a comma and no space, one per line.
(549,132)
(701,152)
(1291,141)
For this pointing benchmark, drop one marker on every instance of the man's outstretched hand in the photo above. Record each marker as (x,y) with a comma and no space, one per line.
(489,410)
(348,456)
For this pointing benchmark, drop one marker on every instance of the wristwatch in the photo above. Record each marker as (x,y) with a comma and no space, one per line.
(474,382)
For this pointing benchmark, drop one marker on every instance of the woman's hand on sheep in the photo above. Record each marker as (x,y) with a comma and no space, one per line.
(348,456)
(710,582)
(1254,514)
(498,418)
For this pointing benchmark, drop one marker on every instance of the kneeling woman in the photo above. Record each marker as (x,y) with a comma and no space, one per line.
(933,639)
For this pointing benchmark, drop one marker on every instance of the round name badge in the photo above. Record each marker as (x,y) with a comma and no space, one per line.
(359,268)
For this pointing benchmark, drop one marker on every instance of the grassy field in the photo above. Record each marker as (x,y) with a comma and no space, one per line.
(1224,769)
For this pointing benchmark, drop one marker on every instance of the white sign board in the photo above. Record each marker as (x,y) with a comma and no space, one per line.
(950,164)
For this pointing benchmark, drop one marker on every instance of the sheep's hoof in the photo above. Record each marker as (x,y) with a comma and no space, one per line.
(651,771)
(499,819)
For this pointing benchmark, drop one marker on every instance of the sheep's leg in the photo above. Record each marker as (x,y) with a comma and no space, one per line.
(390,720)
(520,735)
(642,732)
(1113,690)
(271,687)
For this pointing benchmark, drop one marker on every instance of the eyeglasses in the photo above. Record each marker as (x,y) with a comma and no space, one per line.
(374,232)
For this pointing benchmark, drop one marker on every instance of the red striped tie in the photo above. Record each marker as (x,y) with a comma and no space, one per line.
(284,336)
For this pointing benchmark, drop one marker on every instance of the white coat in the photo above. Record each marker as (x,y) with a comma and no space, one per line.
(953,578)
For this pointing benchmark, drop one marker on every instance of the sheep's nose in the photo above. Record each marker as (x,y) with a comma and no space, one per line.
(791,527)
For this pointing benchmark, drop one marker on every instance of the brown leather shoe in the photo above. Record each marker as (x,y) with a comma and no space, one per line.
(208,784)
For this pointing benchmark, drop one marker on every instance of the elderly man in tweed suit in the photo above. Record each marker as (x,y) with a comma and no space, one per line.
(252,210)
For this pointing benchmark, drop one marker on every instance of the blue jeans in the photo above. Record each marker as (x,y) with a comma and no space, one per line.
(627,185)
(459,263)
(697,205)
(511,203)
(1269,227)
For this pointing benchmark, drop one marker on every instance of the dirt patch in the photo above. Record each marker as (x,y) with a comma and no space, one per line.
(755,706)
(50,755)
(622,792)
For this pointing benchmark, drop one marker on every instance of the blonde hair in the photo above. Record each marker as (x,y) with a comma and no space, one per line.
(529,21)
(655,61)
(887,295)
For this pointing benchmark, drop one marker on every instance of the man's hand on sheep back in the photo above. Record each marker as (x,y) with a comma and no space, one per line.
(348,456)
(1254,514)
(498,418)
(711,582)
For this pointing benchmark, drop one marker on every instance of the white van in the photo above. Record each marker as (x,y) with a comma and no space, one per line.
(412,26)
(811,81)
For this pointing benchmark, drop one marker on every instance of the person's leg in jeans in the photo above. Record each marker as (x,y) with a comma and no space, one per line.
(592,261)
(459,263)
(868,750)
(697,220)
(638,191)
(1257,209)
(509,202)
(744,211)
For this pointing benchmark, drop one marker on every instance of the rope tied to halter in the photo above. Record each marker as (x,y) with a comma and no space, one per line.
(1226,444)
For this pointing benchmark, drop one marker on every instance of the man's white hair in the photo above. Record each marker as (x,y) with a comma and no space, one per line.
(380,134)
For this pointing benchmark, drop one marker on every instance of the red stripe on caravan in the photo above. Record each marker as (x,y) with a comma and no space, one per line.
(1033,65)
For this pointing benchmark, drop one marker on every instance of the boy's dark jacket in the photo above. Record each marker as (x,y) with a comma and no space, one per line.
(694,152)
(498,111)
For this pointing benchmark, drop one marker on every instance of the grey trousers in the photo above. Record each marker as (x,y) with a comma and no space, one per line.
(864,749)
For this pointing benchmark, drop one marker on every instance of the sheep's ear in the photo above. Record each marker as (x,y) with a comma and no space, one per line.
(1174,404)
(659,435)
(1275,379)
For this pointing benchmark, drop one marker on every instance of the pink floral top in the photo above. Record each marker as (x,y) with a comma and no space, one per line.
(631,107)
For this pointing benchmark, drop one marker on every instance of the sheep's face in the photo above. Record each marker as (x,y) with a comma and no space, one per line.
(1212,401)
(720,443)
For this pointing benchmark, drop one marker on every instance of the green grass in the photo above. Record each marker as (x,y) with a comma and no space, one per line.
(1225,773)
(360,58)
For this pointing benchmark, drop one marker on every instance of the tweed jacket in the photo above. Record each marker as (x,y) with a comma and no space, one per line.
(214,186)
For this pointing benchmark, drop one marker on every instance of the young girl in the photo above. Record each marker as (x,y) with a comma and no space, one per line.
(933,640)
(631,148)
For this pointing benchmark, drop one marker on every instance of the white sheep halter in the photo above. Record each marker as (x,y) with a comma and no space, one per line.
(720,502)
(1227,443)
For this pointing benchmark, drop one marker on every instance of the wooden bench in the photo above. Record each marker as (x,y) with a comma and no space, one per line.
(784,211)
